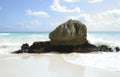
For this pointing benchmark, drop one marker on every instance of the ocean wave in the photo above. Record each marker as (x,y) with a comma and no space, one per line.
(103,40)
(36,37)
(4,34)
(9,47)
(2,46)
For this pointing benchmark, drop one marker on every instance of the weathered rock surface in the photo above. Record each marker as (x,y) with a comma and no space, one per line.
(72,32)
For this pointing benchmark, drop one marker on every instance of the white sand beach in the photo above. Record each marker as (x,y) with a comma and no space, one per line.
(47,65)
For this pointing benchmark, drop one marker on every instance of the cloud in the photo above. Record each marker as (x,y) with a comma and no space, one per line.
(94,1)
(108,20)
(90,1)
(37,13)
(71,1)
(61,8)
(33,23)
(30,25)
(82,16)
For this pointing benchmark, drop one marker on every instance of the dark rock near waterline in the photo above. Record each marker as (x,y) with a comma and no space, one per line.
(72,32)
(24,49)
(25,46)
(105,48)
(117,49)
(45,47)
(66,38)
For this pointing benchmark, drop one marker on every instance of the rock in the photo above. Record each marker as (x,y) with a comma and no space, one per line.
(105,48)
(71,32)
(39,47)
(85,48)
(66,38)
(45,47)
(24,49)
(25,46)
(117,49)
(18,52)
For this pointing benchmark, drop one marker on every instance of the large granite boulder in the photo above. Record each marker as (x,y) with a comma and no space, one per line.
(72,32)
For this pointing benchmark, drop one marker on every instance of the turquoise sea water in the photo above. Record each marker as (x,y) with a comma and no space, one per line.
(12,41)
(111,36)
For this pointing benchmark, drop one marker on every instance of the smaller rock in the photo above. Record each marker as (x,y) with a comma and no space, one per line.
(117,49)
(39,47)
(18,51)
(24,49)
(105,48)
(25,46)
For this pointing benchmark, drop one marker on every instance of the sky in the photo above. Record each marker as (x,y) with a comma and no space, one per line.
(46,15)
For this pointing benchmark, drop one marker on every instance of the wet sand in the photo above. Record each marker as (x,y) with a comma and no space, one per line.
(38,65)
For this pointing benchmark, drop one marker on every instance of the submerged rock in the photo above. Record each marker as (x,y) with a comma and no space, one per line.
(72,32)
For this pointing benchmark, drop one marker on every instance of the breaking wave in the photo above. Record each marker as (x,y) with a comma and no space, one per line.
(4,34)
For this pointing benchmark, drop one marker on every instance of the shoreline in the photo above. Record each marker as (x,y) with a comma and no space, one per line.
(104,61)
(48,65)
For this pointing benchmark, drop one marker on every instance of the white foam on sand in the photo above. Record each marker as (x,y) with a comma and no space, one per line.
(47,65)
(102,60)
